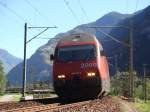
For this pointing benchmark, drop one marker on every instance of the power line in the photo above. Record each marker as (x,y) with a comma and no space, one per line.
(41,14)
(116,40)
(43,38)
(37,35)
(127,6)
(136,5)
(13,12)
(105,40)
(36,10)
(111,37)
(10,18)
(82,9)
(72,12)
(46,28)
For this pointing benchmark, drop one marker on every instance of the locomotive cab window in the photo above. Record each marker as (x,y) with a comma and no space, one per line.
(76,53)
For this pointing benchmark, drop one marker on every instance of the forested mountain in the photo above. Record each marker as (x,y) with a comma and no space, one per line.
(39,65)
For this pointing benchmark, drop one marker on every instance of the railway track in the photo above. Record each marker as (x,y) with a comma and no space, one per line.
(14,105)
(106,104)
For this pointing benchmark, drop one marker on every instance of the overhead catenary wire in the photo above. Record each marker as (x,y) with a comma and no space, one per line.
(45,29)
(13,12)
(17,15)
(42,15)
(83,10)
(9,18)
(43,38)
(113,38)
(127,6)
(36,10)
(105,40)
(136,5)
(37,35)
(72,12)
(39,13)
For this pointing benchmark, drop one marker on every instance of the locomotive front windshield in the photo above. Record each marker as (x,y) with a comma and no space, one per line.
(76,53)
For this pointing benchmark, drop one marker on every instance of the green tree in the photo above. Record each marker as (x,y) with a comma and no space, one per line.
(120,84)
(148,89)
(2,79)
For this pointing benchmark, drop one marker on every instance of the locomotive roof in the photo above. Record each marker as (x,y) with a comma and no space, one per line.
(81,37)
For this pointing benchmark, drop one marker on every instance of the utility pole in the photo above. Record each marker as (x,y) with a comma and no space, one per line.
(25,61)
(145,81)
(131,61)
(116,65)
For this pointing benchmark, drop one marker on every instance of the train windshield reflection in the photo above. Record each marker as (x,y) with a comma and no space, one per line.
(77,53)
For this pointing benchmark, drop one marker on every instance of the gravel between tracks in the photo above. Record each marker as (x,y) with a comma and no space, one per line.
(106,104)
(15,105)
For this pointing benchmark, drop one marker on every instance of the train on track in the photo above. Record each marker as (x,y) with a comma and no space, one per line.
(80,67)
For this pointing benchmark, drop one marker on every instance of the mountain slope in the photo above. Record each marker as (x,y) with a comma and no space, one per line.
(141,40)
(9,61)
(39,66)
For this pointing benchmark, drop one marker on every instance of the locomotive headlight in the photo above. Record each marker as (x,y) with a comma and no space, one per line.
(90,74)
(61,76)
(93,74)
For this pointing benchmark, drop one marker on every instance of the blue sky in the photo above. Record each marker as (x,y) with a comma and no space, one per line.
(14,13)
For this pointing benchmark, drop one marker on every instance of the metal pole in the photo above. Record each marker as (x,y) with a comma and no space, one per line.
(131,63)
(116,64)
(24,63)
(145,95)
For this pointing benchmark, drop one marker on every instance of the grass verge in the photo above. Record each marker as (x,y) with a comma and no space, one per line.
(142,106)
(17,97)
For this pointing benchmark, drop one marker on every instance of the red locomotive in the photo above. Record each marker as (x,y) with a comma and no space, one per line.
(80,68)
